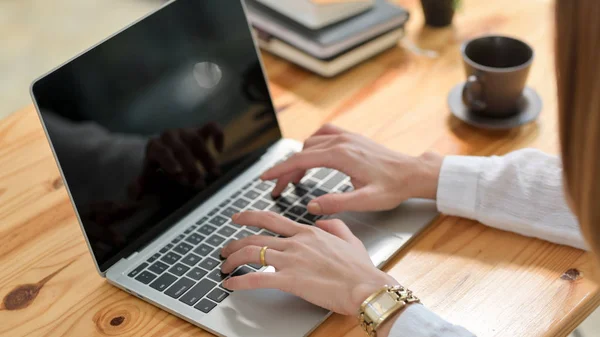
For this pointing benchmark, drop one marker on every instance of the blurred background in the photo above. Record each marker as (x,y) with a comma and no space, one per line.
(38,35)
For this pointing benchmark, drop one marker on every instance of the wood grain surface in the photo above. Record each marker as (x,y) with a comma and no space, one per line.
(492,282)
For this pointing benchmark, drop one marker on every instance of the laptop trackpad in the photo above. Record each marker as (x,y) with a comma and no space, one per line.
(264,312)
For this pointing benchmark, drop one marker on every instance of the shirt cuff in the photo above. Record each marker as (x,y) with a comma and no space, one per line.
(418,321)
(457,185)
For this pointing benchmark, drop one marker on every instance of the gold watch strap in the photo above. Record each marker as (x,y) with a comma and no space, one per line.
(400,294)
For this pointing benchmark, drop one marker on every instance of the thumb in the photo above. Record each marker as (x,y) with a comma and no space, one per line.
(331,203)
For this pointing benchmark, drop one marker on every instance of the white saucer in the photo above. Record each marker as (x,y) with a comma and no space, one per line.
(530,106)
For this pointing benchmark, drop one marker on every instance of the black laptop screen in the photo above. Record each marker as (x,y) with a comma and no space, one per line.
(148,124)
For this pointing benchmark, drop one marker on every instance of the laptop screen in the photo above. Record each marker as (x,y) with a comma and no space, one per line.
(148,124)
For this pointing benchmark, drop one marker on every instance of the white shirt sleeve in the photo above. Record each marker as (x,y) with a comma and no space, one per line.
(521,192)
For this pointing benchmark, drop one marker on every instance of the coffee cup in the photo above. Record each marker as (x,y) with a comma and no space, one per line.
(496,69)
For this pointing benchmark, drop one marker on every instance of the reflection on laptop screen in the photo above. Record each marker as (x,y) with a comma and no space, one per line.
(149,123)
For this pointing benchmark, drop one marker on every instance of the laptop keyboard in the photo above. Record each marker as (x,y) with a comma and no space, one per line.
(189,268)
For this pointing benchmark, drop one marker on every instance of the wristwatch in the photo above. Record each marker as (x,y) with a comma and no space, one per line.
(382,305)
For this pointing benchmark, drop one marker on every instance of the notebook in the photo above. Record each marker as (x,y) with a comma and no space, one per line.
(331,66)
(316,14)
(332,40)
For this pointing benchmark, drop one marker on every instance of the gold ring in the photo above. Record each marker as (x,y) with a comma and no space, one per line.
(263,252)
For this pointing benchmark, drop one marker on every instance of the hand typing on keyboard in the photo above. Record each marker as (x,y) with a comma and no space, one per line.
(381,177)
(323,264)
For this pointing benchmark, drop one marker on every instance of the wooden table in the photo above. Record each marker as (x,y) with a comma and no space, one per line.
(492,282)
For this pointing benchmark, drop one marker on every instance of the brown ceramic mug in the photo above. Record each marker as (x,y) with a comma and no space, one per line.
(496,69)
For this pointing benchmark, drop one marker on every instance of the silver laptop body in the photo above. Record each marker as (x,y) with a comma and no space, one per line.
(100,114)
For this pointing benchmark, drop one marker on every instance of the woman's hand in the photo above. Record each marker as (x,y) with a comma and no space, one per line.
(381,177)
(325,265)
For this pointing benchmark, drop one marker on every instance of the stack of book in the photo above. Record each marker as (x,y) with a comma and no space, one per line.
(326,36)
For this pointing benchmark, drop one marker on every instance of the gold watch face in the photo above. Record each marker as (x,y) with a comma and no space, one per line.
(381,304)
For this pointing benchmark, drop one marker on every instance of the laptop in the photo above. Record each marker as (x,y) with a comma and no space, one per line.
(161,132)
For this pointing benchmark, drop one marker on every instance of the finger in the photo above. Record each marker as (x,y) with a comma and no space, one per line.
(183,155)
(198,147)
(317,140)
(281,184)
(251,254)
(214,132)
(161,154)
(268,220)
(340,202)
(338,228)
(304,160)
(254,240)
(257,281)
(329,129)
(297,176)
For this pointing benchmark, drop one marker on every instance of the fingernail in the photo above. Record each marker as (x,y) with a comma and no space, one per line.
(235,216)
(314,207)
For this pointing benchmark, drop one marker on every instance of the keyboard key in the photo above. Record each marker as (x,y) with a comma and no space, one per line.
(191,259)
(243,270)
(196,274)
(332,182)
(153,257)
(217,254)
(236,194)
(209,263)
(196,293)
(178,239)
(346,188)
(304,222)
(215,240)
(189,230)
(218,220)
(217,276)
(266,232)
(213,212)
(163,250)
(247,186)
(163,282)
(263,186)
(260,205)
(179,287)
(170,258)
(318,192)
(229,212)
(182,248)
(145,277)
(297,210)
(290,216)
(287,200)
(225,203)
(179,269)
(255,265)
(312,217)
(203,220)
(243,234)
(194,238)
(205,306)
(227,231)
(252,195)
(277,208)
(309,183)
(299,191)
(207,230)
(218,295)
(203,249)
(158,267)
(252,228)
(322,173)
(306,200)
(137,270)
(241,203)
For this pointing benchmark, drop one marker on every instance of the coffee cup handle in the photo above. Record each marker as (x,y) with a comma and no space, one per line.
(472,92)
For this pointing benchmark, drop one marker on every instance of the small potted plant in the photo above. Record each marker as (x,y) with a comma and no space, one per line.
(439,13)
